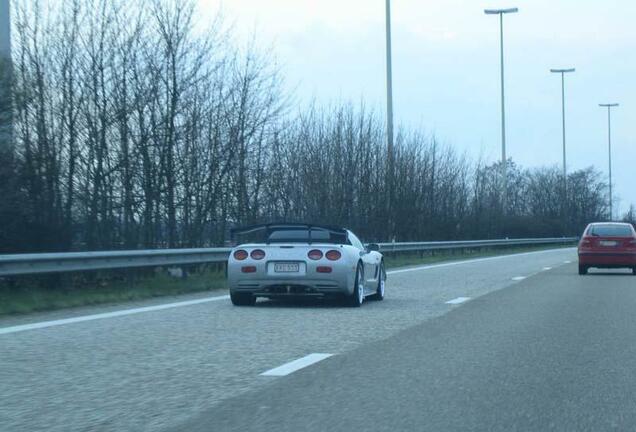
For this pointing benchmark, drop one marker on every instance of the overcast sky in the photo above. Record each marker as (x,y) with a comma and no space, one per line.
(446,70)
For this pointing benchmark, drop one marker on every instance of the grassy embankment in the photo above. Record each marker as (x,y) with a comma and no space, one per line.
(41,293)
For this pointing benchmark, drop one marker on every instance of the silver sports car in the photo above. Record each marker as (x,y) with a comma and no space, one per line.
(303,260)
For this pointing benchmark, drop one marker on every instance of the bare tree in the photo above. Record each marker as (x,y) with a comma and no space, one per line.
(135,129)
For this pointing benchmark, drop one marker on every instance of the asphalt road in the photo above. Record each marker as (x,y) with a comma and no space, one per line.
(548,352)
(553,353)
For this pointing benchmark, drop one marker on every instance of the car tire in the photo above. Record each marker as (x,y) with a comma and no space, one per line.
(583,270)
(242,299)
(379,293)
(357,297)
(634,271)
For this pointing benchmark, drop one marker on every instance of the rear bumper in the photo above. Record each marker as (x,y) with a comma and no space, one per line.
(266,282)
(608,259)
(323,287)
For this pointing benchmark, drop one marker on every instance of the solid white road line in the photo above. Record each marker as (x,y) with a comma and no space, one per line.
(518,278)
(476,260)
(458,300)
(295,365)
(46,324)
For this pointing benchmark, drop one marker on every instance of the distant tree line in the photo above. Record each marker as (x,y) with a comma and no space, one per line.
(132,129)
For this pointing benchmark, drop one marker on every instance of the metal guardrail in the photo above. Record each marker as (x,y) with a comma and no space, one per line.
(477,244)
(26,264)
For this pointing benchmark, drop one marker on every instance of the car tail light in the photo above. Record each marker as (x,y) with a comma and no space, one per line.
(257,254)
(314,254)
(586,242)
(333,255)
(324,269)
(248,269)
(240,255)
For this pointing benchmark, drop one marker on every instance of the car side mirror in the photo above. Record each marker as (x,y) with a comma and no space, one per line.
(373,247)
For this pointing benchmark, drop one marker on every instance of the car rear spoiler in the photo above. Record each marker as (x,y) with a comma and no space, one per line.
(269,227)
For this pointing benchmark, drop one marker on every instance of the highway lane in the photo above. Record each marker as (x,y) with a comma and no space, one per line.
(161,369)
(555,352)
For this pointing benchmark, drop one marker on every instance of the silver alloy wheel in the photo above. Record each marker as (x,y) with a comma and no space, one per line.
(361,285)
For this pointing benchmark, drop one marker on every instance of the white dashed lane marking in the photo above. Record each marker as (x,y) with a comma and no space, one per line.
(458,300)
(296,365)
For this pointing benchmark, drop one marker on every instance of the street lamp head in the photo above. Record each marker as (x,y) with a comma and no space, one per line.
(500,11)
(562,70)
(610,105)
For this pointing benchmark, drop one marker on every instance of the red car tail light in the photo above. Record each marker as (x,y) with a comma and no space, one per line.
(324,269)
(248,269)
(257,254)
(314,254)
(586,242)
(333,255)
(240,255)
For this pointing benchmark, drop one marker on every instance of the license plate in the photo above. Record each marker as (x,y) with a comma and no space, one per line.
(286,268)
(609,243)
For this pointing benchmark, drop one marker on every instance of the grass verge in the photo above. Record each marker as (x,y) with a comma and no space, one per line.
(44,293)
(51,292)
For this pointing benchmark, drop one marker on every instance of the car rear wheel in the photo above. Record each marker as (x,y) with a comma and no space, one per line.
(583,270)
(357,297)
(242,299)
(634,271)
(379,293)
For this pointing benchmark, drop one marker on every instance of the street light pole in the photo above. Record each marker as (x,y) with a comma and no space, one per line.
(389,114)
(504,159)
(609,142)
(564,199)
(389,81)
(563,72)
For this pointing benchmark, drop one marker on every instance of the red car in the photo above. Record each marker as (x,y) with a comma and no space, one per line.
(608,245)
